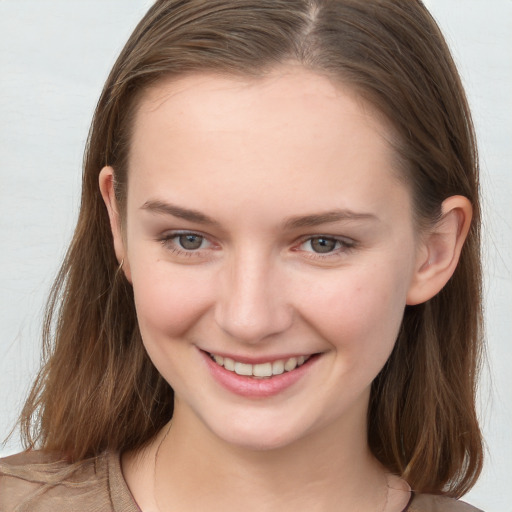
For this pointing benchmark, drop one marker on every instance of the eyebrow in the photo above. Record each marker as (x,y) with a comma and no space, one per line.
(301,221)
(161,207)
(306,221)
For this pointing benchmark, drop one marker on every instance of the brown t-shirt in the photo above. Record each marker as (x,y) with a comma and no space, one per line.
(37,482)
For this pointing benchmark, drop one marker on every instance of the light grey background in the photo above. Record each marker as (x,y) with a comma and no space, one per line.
(54,58)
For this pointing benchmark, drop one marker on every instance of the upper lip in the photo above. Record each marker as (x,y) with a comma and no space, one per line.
(259,359)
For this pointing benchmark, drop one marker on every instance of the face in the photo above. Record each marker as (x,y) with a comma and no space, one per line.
(271,249)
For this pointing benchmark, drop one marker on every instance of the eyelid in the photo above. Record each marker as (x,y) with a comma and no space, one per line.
(166,239)
(347,245)
(340,238)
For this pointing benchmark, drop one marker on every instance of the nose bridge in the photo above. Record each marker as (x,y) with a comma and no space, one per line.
(252,305)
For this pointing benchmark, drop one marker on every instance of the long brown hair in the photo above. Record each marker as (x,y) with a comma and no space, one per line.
(98,390)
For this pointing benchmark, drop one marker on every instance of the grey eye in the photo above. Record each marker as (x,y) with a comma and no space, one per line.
(322,244)
(190,242)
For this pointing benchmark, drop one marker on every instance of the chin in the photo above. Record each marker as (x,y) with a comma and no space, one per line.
(259,440)
(259,434)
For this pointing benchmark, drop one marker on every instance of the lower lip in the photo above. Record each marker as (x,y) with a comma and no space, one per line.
(256,388)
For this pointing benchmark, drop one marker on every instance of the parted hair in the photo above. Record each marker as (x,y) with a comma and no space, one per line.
(97,389)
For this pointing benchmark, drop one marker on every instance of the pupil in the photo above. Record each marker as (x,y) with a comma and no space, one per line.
(323,245)
(190,242)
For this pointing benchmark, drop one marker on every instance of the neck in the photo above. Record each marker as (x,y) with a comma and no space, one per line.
(327,470)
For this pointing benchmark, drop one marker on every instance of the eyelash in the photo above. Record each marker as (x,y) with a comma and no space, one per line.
(346,245)
(168,243)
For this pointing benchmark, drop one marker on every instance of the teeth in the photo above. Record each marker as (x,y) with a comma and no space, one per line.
(243,369)
(260,370)
(229,364)
(277,367)
(291,364)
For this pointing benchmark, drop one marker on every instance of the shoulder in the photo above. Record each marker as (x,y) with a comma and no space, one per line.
(39,482)
(434,503)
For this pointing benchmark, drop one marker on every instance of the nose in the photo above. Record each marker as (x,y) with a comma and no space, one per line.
(252,304)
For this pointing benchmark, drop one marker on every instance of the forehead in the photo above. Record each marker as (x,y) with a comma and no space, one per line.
(212,99)
(291,129)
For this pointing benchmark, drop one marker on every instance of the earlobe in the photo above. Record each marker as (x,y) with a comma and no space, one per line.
(106,184)
(440,251)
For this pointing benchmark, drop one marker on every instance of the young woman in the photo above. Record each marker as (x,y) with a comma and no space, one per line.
(272,298)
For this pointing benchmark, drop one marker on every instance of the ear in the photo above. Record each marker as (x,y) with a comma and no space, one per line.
(106,183)
(439,253)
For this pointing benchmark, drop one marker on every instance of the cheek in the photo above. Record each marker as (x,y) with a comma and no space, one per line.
(358,311)
(168,302)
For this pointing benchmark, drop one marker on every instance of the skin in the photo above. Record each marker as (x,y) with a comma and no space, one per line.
(260,160)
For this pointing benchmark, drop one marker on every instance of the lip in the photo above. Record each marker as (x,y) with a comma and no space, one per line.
(251,387)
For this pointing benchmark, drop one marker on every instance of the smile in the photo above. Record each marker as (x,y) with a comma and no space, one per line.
(260,370)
